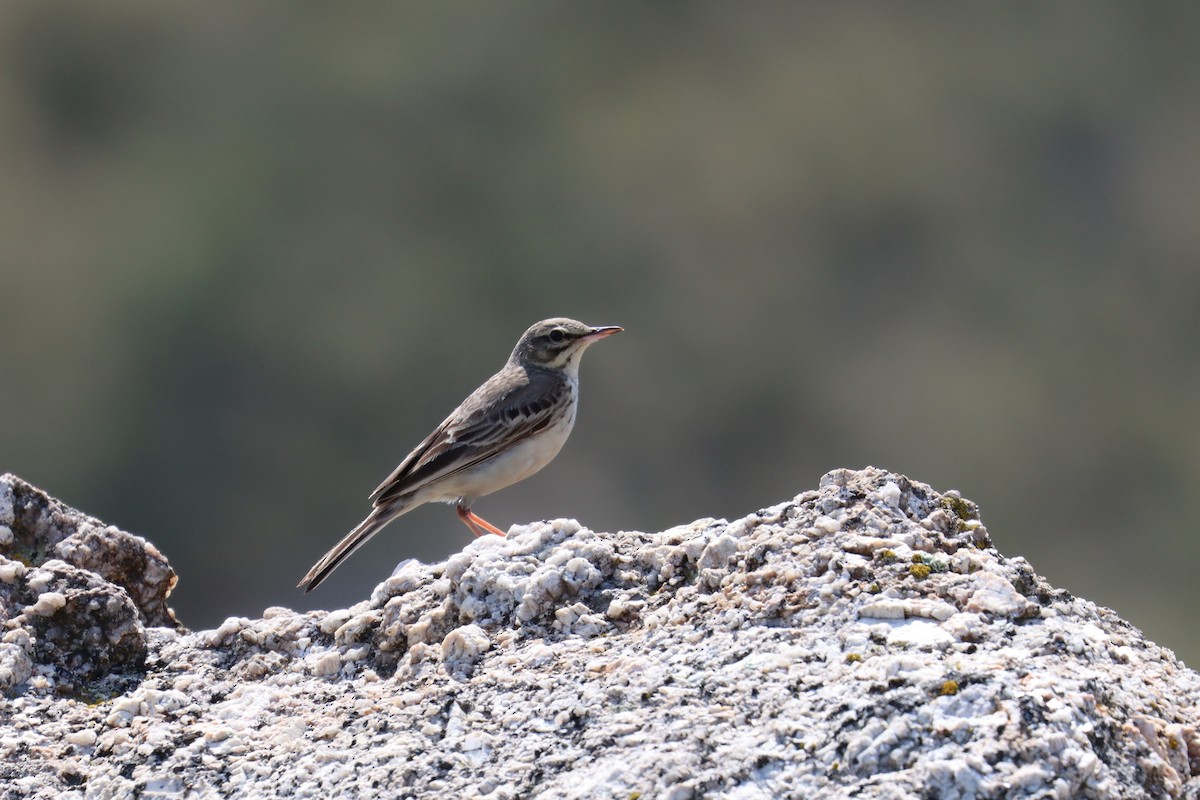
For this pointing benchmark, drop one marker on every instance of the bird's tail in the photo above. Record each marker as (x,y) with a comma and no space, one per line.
(380,516)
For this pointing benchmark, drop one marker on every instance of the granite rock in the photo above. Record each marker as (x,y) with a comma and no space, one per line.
(76,596)
(865,639)
(35,528)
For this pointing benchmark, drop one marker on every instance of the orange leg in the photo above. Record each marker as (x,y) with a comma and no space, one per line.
(478,525)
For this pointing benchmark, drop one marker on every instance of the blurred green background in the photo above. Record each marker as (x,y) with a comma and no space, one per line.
(252,253)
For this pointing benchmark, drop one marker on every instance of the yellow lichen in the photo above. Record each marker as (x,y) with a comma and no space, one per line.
(961,508)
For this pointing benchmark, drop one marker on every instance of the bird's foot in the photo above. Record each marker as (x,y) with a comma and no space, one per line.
(478,525)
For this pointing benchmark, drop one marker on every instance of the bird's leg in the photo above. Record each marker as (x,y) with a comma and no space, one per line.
(478,525)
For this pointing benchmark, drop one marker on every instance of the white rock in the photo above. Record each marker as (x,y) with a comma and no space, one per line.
(81,738)
(10,571)
(918,633)
(888,495)
(465,645)
(827,524)
(47,603)
(996,595)
(15,665)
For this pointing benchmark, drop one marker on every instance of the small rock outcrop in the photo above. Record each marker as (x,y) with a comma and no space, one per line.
(76,596)
(864,639)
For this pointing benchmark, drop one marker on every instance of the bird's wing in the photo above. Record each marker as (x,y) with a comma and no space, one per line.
(479,429)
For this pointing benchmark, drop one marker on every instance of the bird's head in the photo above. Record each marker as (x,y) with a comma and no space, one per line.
(558,343)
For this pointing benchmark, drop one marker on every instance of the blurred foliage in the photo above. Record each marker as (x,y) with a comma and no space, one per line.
(252,253)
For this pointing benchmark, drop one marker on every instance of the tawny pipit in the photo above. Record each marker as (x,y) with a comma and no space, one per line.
(508,429)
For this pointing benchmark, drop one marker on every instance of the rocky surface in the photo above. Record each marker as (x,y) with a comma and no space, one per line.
(76,597)
(862,640)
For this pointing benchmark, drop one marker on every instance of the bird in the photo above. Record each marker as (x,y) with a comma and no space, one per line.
(506,430)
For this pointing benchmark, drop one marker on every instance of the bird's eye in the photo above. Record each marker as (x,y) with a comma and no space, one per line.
(557,335)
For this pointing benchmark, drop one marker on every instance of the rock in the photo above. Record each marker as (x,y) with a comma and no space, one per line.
(862,640)
(83,627)
(35,527)
(76,596)
(128,561)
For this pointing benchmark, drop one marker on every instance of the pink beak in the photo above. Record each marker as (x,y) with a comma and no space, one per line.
(602,331)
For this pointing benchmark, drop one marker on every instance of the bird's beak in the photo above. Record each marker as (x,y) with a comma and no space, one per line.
(602,331)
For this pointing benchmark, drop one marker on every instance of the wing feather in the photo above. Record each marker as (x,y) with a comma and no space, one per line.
(505,410)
